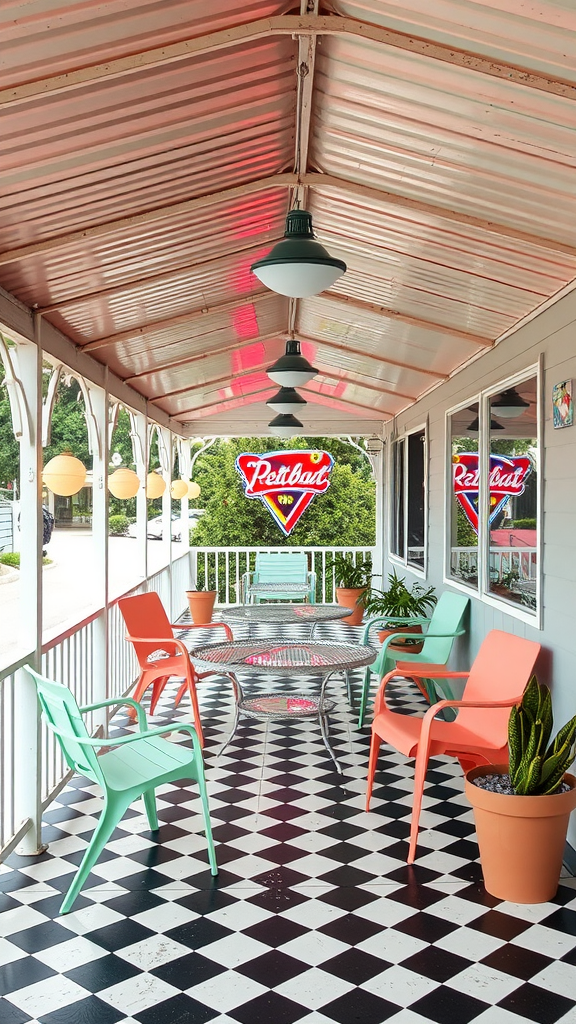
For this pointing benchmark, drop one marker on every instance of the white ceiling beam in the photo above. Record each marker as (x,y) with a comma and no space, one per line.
(295,24)
(393,314)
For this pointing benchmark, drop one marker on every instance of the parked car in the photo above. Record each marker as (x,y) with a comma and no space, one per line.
(154,531)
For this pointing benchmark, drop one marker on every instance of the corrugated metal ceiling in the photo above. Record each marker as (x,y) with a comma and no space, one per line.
(435,151)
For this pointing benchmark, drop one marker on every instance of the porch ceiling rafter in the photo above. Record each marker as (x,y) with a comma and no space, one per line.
(386,360)
(291,24)
(393,314)
(288,180)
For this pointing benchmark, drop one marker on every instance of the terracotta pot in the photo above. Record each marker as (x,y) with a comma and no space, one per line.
(347,598)
(402,645)
(201,605)
(521,838)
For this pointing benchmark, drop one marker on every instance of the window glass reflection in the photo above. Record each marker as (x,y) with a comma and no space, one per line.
(464,496)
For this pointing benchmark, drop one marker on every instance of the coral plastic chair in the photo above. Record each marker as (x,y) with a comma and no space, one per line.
(136,765)
(445,625)
(479,735)
(151,633)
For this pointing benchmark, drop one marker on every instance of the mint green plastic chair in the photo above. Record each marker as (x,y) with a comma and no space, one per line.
(133,766)
(444,626)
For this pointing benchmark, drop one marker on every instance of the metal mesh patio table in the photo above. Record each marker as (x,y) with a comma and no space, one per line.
(284,614)
(259,658)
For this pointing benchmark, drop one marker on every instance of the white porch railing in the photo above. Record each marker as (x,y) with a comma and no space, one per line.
(72,656)
(221,569)
(523,561)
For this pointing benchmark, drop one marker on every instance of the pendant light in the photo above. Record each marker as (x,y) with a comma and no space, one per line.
(287,400)
(292,370)
(193,490)
(124,483)
(285,425)
(179,489)
(155,485)
(474,427)
(509,404)
(64,474)
(298,266)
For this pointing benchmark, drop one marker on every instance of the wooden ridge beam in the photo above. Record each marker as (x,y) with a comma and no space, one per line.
(291,24)
(393,314)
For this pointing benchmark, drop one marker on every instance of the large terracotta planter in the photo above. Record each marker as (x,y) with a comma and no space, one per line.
(201,605)
(402,646)
(347,598)
(521,838)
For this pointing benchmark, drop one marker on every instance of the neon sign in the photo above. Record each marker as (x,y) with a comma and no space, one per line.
(285,482)
(508,475)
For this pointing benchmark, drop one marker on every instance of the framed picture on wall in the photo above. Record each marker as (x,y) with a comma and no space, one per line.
(562,407)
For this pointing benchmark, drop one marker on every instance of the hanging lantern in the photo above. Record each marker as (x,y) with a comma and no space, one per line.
(64,474)
(155,485)
(124,483)
(193,490)
(179,488)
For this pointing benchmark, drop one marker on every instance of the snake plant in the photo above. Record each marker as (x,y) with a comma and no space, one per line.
(537,763)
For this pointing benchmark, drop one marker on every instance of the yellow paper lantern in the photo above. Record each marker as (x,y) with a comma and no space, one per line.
(193,489)
(155,485)
(124,483)
(179,488)
(64,474)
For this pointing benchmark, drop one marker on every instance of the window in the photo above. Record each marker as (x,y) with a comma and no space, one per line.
(494,494)
(408,499)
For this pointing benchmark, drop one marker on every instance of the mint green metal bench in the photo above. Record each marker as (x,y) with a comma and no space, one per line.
(136,765)
(279,576)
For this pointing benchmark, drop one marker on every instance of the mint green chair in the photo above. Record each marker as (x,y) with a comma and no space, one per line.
(136,765)
(444,626)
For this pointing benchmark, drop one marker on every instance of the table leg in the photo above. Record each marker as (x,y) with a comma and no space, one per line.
(238,696)
(324,724)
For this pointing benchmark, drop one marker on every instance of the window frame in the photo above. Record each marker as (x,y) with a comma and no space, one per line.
(418,570)
(482,592)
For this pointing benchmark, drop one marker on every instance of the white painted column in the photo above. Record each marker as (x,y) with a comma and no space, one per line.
(27,713)
(100,456)
(378,462)
(140,448)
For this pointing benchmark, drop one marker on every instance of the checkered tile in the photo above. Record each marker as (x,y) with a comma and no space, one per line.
(315,916)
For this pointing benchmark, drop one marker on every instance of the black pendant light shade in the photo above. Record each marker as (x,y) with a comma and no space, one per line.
(292,370)
(509,404)
(298,266)
(285,425)
(287,401)
(474,427)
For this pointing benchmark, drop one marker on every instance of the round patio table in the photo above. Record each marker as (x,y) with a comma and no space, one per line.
(284,614)
(258,658)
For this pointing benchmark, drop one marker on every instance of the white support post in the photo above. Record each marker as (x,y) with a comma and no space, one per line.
(380,531)
(27,781)
(166,541)
(100,452)
(140,449)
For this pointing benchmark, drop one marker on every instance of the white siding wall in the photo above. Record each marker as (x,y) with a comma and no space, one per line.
(552,334)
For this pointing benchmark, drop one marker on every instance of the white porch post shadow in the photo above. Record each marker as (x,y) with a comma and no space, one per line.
(27,782)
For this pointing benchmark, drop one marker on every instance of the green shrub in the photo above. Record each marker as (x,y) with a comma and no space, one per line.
(118,526)
(524,524)
(11,558)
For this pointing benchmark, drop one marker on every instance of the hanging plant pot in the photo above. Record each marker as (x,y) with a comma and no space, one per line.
(201,605)
(347,597)
(402,645)
(521,838)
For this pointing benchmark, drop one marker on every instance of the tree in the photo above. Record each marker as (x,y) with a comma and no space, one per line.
(344,515)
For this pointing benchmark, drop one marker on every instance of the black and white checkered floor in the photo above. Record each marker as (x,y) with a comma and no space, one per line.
(315,916)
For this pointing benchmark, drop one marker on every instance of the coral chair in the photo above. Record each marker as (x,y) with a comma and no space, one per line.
(479,735)
(150,632)
(135,767)
(445,625)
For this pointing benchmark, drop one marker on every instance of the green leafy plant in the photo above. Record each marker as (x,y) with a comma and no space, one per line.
(538,764)
(348,574)
(11,558)
(118,526)
(399,602)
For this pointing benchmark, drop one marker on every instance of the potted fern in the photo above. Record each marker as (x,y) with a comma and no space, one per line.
(522,809)
(399,602)
(352,580)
